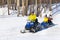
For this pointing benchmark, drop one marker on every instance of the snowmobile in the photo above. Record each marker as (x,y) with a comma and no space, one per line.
(31,26)
(28,26)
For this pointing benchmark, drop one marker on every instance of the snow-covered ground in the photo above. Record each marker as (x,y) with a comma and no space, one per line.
(10,27)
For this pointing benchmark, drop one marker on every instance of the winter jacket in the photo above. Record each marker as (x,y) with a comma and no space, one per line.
(45,19)
(32,17)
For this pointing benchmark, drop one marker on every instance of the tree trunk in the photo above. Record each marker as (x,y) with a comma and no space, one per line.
(18,7)
(23,8)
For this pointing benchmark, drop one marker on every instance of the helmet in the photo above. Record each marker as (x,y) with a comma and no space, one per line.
(46,15)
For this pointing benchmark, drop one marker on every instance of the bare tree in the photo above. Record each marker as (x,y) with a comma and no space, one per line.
(18,7)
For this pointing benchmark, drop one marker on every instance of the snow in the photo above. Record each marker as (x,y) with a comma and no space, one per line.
(10,27)
(4,11)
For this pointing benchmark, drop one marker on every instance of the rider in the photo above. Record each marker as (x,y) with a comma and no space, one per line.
(50,20)
(45,22)
(33,21)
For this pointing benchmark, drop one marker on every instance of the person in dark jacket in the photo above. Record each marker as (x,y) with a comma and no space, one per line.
(50,20)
